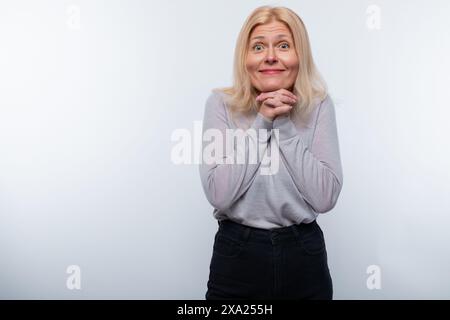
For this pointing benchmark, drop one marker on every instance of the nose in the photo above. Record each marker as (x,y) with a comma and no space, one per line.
(271,56)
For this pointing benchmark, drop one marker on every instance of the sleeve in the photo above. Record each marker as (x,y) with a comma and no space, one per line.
(316,171)
(224,178)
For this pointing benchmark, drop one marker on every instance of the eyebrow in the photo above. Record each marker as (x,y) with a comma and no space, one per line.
(277,37)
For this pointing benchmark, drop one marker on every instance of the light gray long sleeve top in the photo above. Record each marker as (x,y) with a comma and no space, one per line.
(308,179)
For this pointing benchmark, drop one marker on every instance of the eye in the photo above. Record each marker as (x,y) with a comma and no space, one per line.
(257,46)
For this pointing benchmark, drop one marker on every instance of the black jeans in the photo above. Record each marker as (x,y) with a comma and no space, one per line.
(282,263)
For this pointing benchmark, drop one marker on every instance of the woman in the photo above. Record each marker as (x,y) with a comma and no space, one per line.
(268,244)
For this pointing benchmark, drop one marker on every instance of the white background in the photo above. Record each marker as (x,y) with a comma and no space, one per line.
(91,91)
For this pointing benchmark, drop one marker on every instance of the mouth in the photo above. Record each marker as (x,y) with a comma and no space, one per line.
(271,71)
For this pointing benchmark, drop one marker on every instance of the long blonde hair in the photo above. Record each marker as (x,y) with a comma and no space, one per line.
(308,85)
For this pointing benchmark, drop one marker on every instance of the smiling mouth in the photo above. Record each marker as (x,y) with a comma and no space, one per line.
(271,72)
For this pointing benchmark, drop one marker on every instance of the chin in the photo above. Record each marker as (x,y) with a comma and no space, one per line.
(273,87)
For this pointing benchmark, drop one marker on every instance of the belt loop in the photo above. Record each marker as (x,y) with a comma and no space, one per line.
(246,233)
(295,230)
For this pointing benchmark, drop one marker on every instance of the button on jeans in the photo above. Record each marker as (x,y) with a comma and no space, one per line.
(282,263)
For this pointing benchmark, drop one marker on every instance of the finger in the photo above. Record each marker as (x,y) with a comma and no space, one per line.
(288,100)
(285,100)
(288,93)
(274,103)
(278,94)
(267,95)
(282,110)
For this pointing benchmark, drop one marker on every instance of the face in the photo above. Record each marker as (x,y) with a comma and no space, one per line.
(272,62)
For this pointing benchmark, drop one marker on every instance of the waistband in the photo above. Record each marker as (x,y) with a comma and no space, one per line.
(245,233)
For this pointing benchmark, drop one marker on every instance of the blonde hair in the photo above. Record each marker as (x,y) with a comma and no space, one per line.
(308,85)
